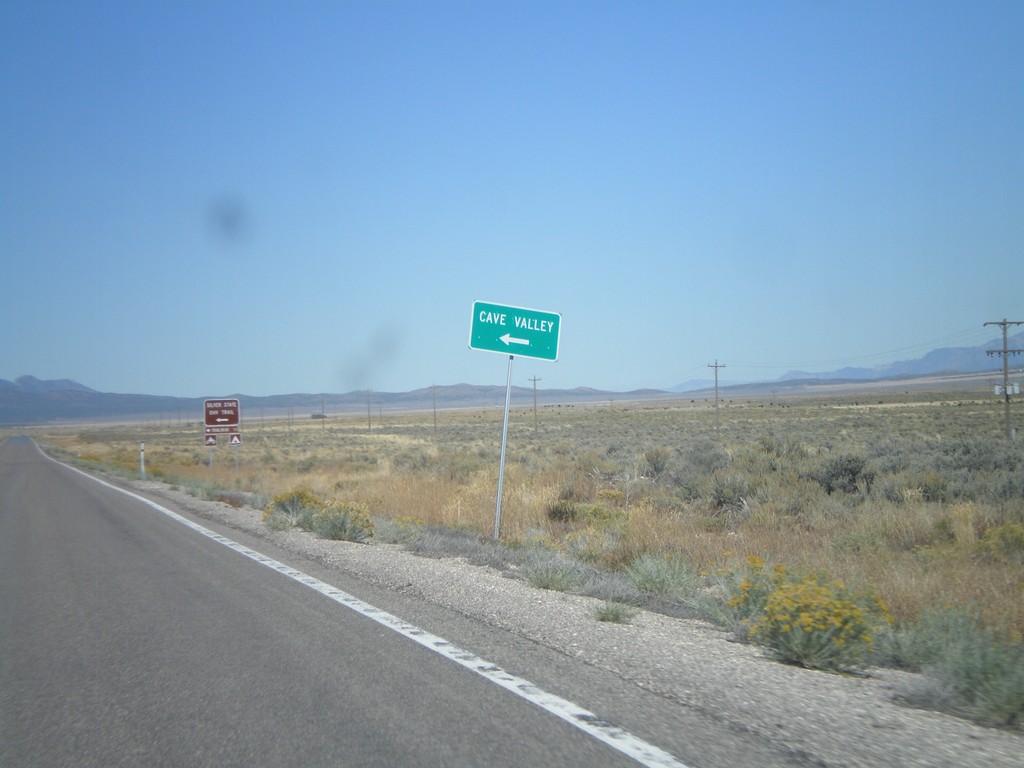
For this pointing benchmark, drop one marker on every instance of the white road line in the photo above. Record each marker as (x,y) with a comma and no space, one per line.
(635,748)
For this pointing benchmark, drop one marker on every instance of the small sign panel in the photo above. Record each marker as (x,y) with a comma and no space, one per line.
(222,417)
(515,331)
(221,413)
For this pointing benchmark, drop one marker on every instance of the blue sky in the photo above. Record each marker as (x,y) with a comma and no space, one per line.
(204,198)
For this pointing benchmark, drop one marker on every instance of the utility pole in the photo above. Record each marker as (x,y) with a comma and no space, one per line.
(716,365)
(1005,353)
(534,380)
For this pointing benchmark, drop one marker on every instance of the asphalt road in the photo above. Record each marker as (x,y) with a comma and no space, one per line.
(127,638)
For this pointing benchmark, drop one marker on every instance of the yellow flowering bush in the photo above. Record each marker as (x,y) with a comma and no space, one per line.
(815,624)
(343,521)
(758,580)
(328,519)
(293,507)
(805,620)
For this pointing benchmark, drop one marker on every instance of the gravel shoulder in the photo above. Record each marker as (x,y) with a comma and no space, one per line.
(826,719)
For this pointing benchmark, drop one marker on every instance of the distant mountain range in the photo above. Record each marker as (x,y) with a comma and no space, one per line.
(948,360)
(28,400)
(32,385)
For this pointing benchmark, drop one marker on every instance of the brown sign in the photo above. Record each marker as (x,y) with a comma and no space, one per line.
(221,413)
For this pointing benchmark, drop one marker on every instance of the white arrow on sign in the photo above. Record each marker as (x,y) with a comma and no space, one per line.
(221,421)
(510,339)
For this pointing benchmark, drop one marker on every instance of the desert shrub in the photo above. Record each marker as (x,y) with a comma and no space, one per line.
(730,495)
(294,507)
(978,455)
(234,499)
(442,541)
(705,457)
(857,542)
(962,523)
(805,620)
(920,644)
(414,461)
(156,472)
(87,458)
(596,545)
(563,511)
(343,521)
(781,449)
(610,587)
(570,506)
(750,589)
(392,530)
(954,525)
(770,445)
(978,672)
(305,521)
(1005,484)
(278,522)
(711,596)
(801,499)
(601,514)
(900,488)
(306,464)
(615,613)
(595,467)
(548,570)
(845,473)
(578,488)
(729,490)
(663,577)
(893,456)
(556,577)
(1004,541)
(933,485)
(999,699)
(611,496)
(995,487)
(814,624)
(655,461)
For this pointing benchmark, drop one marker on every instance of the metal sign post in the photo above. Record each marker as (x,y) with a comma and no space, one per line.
(512,331)
(504,441)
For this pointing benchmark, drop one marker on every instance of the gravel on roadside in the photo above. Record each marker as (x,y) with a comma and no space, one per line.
(828,719)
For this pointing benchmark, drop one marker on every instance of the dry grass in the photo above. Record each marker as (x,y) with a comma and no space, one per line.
(936,476)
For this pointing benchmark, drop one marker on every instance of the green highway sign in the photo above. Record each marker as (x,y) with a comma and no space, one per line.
(515,331)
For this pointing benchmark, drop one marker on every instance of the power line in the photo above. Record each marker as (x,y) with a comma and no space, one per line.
(534,379)
(433,397)
(1005,353)
(716,365)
